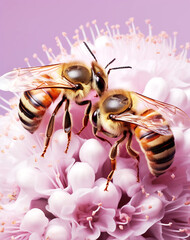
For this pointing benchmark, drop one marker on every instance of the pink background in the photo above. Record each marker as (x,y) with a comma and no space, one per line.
(25,25)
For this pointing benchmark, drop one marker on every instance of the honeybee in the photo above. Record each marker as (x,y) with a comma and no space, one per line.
(121,113)
(42,86)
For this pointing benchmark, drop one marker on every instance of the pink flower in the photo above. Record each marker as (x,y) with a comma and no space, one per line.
(136,217)
(19,224)
(61,196)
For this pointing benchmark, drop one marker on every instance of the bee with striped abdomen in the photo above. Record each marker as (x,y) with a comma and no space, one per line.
(42,85)
(121,113)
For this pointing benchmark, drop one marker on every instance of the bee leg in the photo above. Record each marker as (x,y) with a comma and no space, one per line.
(87,112)
(133,153)
(112,155)
(67,124)
(50,126)
(101,138)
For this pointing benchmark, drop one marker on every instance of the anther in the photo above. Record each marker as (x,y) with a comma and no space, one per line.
(121,227)
(147,217)
(160,194)
(173,198)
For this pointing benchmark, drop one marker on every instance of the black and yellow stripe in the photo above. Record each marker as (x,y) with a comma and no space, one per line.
(158,149)
(33,105)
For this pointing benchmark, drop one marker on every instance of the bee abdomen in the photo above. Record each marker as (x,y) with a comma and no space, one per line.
(33,105)
(159,149)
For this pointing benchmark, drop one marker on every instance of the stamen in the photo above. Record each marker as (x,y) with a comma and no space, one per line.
(185,230)
(166,224)
(102,31)
(144,192)
(129,26)
(96,27)
(57,174)
(5,108)
(175,39)
(51,52)
(27,62)
(108,29)
(35,56)
(67,39)
(98,208)
(18,97)
(5,101)
(132,24)
(83,33)
(113,30)
(89,219)
(117,29)
(91,31)
(44,48)
(77,40)
(147,21)
(59,44)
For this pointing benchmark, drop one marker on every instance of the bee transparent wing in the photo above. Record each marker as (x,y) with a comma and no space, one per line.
(174,115)
(25,79)
(155,125)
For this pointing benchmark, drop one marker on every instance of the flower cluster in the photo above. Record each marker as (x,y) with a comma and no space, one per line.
(61,196)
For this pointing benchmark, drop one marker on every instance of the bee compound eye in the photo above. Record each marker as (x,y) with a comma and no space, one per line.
(100,83)
(95,118)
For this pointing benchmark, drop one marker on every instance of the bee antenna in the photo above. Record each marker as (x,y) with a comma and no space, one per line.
(90,51)
(117,68)
(110,62)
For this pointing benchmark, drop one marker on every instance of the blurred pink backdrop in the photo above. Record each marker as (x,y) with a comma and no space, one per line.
(25,25)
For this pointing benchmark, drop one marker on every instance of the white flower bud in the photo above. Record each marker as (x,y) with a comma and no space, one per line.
(81,175)
(156,88)
(34,221)
(94,153)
